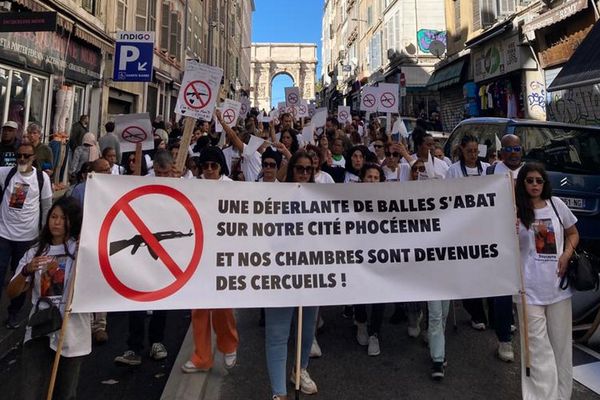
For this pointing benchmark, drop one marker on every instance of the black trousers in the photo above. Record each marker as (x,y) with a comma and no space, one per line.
(156,329)
(377,310)
(36,368)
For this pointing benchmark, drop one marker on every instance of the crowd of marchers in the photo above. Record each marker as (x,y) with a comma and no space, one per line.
(38,243)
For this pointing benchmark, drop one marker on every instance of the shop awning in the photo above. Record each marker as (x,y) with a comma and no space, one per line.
(557,14)
(446,76)
(583,68)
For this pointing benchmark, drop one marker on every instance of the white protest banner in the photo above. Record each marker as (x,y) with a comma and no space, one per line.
(218,126)
(498,143)
(132,129)
(302,109)
(253,144)
(292,96)
(230,110)
(388,98)
(199,90)
(318,120)
(307,134)
(369,99)
(312,108)
(343,115)
(244,107)
(288,244)
(281,108)
(482,150)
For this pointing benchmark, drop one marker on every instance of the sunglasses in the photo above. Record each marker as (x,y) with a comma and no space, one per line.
(210,165)
(531,181)
(512,149)
(378,146)
(269,165)
(26,156)
(420,169)
(394,154)
(299,169)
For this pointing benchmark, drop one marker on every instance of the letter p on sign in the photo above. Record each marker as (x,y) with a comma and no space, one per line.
(128,54)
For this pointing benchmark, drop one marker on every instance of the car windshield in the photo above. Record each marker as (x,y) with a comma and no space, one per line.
(568,150)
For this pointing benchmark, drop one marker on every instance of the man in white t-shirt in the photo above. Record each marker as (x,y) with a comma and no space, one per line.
(26,199)
(511,155)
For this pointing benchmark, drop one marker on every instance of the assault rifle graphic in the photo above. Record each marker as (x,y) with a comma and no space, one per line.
(137,241)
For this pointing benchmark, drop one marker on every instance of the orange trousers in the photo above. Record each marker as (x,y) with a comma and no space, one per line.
(223,322)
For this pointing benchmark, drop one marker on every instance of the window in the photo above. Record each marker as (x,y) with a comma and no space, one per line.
(173,45)
(492,10)
(164,27)
(89,6)
(152,15)
(141,12)
(121,22)
(369,16)
(488,12)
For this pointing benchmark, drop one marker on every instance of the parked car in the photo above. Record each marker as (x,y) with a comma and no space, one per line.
(571,154)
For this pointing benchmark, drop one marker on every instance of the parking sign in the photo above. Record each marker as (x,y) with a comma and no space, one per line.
(133,56)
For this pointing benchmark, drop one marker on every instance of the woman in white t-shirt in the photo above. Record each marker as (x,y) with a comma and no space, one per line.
(468,164)
(356,158)
(318,159)
(48,269)
(394,170)
(547,239)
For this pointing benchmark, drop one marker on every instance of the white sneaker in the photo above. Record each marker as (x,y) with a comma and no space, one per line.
(373,349)
(505,351)
(362,334)
(230,360)
(315,349)
(158,351)
(307,385)
(414,324)
(190,368)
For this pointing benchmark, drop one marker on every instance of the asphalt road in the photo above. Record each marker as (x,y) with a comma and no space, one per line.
(345,371)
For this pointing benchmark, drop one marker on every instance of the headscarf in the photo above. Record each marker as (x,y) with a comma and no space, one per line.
(214,154)
(94,152)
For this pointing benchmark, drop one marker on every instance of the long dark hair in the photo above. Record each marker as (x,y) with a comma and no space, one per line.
(289,176)
(295,145)
(73,216)
(525,211)
(366,157)
(466,139)
(368,166)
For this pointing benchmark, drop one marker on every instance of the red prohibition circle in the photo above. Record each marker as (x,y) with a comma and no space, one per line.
(369,100)
(343,115)
(194,88)
(388,99)
(293,98)
(134,137)
(103,254)
(229,115)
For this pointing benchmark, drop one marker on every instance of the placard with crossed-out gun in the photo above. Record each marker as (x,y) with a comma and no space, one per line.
(138,241)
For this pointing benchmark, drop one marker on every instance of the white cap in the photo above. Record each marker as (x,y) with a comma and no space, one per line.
(10,124)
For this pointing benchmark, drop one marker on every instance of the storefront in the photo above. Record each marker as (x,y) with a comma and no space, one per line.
(448,80)
(38,68)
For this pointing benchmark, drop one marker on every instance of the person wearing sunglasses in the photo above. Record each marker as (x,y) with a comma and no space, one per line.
(378,148)
(394,170)
(271,160)
(547,239)
(511,155)
(278,320)
(26,197)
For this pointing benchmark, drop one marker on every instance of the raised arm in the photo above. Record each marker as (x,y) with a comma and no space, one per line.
(233,137)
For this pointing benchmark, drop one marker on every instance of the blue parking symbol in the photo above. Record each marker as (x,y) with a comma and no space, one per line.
(133,62)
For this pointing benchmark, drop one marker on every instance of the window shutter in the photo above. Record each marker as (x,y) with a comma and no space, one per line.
(179,39)
(173,32)
(141,10)
(152,15)
(488,12)
(507,7)
(120,16)
(164,27)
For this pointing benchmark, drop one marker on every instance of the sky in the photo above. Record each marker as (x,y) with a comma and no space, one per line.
(287,21)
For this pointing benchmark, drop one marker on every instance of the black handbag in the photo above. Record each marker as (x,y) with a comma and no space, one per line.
(46,320)
(581,274)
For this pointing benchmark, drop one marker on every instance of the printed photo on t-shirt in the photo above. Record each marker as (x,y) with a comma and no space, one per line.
(52,282)
(18,196)
(545,237)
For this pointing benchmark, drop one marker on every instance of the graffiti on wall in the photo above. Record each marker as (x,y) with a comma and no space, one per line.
(537,96)
(576,106)
(426,36)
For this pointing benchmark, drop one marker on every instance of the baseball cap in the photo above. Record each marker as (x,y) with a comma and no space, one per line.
(10,124)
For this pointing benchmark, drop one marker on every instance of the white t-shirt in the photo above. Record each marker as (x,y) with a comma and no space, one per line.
(231,156)
(20,208)
(222,178)
(117,170)
(340,163)
(541,246)
(501,168)
(440,167)
(323,177)
(350,177)
(401,174)
(251,165)
(78,335)
(455,171)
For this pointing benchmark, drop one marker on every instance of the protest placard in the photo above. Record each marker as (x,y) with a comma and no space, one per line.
(230,110)
(343,115)
(132,129)
(288,244)
(388,98)
(199,90)
(369,98)
(292,96)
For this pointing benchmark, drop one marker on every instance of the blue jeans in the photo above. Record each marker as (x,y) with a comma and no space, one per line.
(277,326)
(11,252)
(438,313)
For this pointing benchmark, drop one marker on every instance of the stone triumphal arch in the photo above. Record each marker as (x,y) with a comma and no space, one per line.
(298,60)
